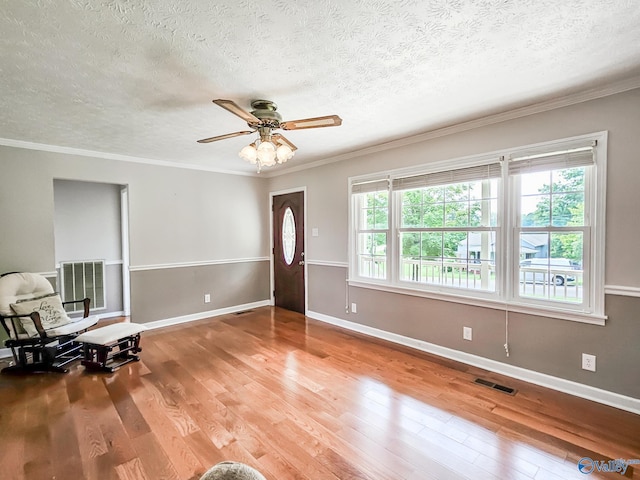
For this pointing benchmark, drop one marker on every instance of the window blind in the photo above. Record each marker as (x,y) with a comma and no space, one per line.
(461,175)
(576,157)
(370,186)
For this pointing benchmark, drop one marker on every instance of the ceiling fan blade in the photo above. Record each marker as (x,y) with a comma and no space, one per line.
(236,110)
(279,139)
(228,135)
(316,122)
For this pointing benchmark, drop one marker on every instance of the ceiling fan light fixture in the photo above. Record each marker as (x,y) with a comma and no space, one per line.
(249,153)
(284,153)
(267,154)
(269,148)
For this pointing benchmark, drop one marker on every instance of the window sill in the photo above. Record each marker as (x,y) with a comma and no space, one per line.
(478,301)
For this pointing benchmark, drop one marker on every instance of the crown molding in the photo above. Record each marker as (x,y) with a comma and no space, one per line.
(7,142)
(594,93)
(539,107)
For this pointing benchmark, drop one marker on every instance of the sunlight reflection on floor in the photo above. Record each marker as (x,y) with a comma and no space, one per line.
(456,443)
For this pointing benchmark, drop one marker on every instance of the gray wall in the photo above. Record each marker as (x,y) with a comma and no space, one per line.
(176,292)
(181,216)
(87,226)
(541,344)
(176,216)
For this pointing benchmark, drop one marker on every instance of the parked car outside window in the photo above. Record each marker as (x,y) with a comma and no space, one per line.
(548,270)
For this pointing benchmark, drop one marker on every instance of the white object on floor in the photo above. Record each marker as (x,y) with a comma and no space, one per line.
(110,333)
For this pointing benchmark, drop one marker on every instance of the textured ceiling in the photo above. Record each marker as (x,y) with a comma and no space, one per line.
(136,77)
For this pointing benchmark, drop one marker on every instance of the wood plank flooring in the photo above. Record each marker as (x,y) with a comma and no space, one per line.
(298,399)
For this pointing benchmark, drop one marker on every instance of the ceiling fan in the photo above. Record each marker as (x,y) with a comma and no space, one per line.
(270,148)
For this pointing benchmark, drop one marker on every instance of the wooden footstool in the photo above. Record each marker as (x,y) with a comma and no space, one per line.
(108,348)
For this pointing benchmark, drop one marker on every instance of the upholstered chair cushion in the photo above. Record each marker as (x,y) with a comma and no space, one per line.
(232,471)
(21,286)
(52,314)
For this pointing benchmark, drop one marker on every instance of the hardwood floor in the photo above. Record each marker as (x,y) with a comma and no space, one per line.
(298,399)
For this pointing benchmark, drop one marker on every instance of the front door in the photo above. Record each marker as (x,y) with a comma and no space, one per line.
(288,251)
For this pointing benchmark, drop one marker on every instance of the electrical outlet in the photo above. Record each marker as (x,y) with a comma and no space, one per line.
(354,308)
(589,362)
(207,298)
(467,333)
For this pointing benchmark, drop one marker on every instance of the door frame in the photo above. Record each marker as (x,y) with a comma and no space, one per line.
(126,278)
(302,189)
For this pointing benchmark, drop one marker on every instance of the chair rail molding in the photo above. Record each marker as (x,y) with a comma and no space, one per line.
(622,290)
(204,263)
(327,263)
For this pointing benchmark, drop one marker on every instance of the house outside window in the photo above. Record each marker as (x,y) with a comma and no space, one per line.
(437,214)
(521,229)
(551,192)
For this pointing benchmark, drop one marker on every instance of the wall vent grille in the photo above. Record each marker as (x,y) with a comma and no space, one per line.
(83,279)
(495,386)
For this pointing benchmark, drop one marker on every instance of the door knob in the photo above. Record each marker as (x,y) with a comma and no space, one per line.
(301,262)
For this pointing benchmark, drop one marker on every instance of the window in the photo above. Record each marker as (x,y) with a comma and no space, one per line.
(553,226)
(372,233)
(448,226)
(288,236)
(522,229)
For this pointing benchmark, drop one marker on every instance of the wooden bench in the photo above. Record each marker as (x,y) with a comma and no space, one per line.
(108,348)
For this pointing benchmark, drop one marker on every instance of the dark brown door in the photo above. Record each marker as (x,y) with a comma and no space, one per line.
(288,251)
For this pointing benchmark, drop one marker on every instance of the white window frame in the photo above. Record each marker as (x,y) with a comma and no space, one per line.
(505,296)
(592,305)
(477,175)
(365,186)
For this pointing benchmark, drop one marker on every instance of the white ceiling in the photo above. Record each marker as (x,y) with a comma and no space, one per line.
(136,77)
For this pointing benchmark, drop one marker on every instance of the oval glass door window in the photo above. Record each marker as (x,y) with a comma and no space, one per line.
(288,236)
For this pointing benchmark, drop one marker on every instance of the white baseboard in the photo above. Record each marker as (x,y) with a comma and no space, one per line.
(102,316)
(202,315)
(606,397)
(6,352)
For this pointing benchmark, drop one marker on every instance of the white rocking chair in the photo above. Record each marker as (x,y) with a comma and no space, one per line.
(41,335)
